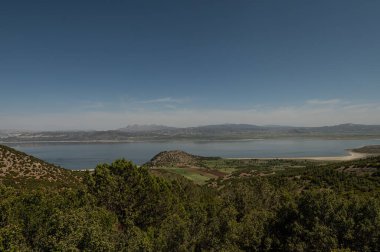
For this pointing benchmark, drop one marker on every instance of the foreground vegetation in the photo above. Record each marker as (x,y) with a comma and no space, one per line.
(122,207)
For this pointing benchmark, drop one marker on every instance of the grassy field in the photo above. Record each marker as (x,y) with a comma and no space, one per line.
(206,169)
(195,174)
(202,170)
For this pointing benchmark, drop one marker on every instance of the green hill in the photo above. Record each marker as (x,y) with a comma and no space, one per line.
(371,149)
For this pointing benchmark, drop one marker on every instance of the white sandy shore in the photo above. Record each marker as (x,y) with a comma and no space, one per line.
(352,156)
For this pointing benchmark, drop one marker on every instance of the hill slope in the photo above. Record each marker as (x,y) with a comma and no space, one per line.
(18,168)
(176,157)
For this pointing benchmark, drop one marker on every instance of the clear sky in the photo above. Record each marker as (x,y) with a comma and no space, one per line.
(106,64)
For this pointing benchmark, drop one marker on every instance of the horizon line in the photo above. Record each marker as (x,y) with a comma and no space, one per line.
(186,127)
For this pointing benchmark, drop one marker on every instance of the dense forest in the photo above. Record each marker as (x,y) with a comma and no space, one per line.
(122,207)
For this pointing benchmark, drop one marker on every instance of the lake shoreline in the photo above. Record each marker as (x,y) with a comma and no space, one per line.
(88,155)
(352,156)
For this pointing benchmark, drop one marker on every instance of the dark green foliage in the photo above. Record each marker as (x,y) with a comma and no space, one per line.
(54,221)
(137,197)
(122,207)
(323,221)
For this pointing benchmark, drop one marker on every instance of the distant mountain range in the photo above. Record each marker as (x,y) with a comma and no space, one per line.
(208,132)
(145,128)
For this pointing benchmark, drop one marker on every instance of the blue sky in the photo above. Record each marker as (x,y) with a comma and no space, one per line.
(103,65)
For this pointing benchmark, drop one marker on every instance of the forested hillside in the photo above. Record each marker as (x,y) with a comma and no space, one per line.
(122,207)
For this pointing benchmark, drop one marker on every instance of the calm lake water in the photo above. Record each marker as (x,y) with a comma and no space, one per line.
(87,155)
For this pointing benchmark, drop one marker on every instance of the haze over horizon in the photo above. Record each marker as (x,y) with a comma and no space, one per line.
(89,65)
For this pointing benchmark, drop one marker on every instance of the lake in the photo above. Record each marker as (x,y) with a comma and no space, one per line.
(87,155)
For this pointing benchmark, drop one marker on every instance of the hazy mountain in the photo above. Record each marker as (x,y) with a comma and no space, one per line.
(145,128)
(207,132)
(9,133)
(349,127)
